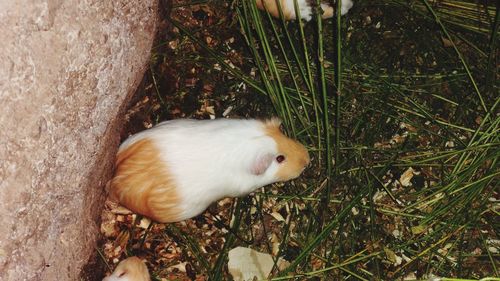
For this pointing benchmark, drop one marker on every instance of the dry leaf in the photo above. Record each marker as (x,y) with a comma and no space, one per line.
(246,264)
(446,42)
(145,222)
(181,267)
(406,177)
(417,229)
(277,216)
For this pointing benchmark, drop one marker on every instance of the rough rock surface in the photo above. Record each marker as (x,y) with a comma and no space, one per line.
(67,70)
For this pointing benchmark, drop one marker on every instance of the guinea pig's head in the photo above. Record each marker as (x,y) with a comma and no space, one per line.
(130,269)
(290,158)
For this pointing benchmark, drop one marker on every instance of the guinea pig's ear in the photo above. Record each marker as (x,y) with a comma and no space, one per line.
(261,163)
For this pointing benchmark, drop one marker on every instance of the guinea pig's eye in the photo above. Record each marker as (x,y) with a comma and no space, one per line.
(280,158)
(122,274)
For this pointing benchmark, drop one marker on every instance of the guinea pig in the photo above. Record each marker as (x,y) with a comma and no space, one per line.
(176,169)
(305,8)
(130,269)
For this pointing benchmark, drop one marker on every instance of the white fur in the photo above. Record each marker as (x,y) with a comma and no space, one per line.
(346,6)
(140,273)
(211,159)
(306,12)
(304,8)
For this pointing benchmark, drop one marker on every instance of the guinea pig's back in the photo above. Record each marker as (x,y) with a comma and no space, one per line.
(206,156)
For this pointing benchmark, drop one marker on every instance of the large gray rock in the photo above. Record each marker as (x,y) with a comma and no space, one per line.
(67,70)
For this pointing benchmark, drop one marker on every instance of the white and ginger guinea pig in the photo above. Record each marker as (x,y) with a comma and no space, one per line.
(176,169)
(130,269)
(305,8)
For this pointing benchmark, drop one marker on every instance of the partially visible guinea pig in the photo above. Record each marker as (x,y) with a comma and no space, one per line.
(130,269)
(176,169)
(305,8)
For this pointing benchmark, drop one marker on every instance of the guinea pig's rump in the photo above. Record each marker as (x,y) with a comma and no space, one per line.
(143,184)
